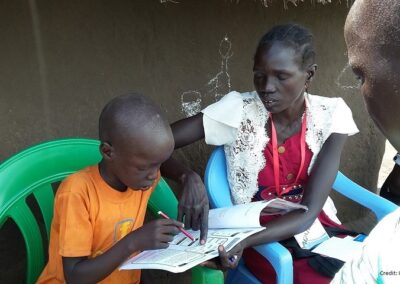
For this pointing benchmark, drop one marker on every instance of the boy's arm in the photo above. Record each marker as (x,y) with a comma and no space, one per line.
(154,235)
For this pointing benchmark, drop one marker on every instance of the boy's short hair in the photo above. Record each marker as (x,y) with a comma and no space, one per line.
(129,115)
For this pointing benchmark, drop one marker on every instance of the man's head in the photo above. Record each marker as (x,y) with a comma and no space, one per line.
(135,139)
(372,33)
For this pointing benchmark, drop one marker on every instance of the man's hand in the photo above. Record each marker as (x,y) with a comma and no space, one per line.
(226,260)
(193,204)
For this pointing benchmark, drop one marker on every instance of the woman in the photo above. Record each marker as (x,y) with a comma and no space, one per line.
(279,141)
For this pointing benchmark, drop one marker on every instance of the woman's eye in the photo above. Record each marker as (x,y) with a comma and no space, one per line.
(282,77)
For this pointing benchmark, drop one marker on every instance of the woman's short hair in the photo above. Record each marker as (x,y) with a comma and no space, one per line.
(295,36)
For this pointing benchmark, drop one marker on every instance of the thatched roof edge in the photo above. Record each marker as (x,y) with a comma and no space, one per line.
(295,2)
(285,2)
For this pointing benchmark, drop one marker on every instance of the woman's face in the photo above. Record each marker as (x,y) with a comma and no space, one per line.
(279,78)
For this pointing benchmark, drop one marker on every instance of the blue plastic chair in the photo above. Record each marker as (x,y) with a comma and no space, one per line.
(218,190)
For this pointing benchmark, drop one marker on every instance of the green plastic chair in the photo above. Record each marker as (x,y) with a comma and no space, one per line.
(32,171)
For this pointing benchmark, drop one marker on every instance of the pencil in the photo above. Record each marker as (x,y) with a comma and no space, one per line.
(186,233)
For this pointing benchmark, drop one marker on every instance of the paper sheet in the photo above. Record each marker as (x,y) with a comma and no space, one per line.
(183,253)
(227,226)
(342,249)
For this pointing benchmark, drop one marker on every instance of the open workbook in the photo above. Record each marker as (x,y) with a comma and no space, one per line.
(227,227)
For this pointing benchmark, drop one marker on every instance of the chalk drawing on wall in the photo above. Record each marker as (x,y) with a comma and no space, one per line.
(221,83)
(191,102)
(216,88)
(347,80)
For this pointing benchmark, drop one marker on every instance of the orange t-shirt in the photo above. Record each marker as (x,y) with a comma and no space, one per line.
(89,218)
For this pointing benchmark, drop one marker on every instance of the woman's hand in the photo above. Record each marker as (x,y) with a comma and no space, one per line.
(225,260)
(193,204)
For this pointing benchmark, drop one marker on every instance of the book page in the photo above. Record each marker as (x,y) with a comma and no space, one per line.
(313,236)
(248,215)
(281,207)
(183,253)
(227,227)
(343,249)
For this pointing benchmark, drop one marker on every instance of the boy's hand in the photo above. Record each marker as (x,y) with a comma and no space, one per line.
(193,204)
(226,260)
(156,234)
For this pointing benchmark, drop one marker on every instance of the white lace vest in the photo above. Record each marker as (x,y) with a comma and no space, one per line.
(247,118)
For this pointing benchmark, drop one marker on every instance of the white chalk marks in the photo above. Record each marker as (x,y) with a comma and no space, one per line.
(191,102)
(216,88)
(347,80)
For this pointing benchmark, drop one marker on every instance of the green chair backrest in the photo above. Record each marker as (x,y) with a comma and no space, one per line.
(32,171)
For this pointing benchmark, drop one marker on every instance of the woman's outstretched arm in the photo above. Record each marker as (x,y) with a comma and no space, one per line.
(188,130)
(193,200)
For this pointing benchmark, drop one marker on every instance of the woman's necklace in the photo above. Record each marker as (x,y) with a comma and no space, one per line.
(284,131)
(275,158)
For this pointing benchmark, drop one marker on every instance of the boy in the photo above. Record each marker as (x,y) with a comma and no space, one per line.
(99,211)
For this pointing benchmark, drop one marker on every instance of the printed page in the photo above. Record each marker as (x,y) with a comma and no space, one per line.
(281,207)
(183,253)
(313,236)
(227,226)
(248,215)
(342,249)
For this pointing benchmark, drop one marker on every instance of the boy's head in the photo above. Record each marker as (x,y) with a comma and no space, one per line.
(372,33)
(135,139)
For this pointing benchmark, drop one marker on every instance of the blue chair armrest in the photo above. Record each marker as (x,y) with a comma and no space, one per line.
(379,205)
(218,190)
(280,258)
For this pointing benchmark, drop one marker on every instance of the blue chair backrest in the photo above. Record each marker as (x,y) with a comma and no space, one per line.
(216,175)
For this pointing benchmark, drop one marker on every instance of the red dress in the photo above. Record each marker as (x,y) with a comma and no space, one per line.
(289,162)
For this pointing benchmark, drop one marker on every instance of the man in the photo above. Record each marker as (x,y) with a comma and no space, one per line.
(372,34)
(391,187)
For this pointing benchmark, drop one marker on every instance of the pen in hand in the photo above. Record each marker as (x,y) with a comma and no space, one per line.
(186,233)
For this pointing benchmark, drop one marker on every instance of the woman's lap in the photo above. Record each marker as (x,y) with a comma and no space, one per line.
(303,273)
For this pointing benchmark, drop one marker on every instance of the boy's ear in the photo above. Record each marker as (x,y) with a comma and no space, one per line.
(106,150)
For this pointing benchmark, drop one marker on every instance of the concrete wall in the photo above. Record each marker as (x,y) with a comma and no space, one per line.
(61,61)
